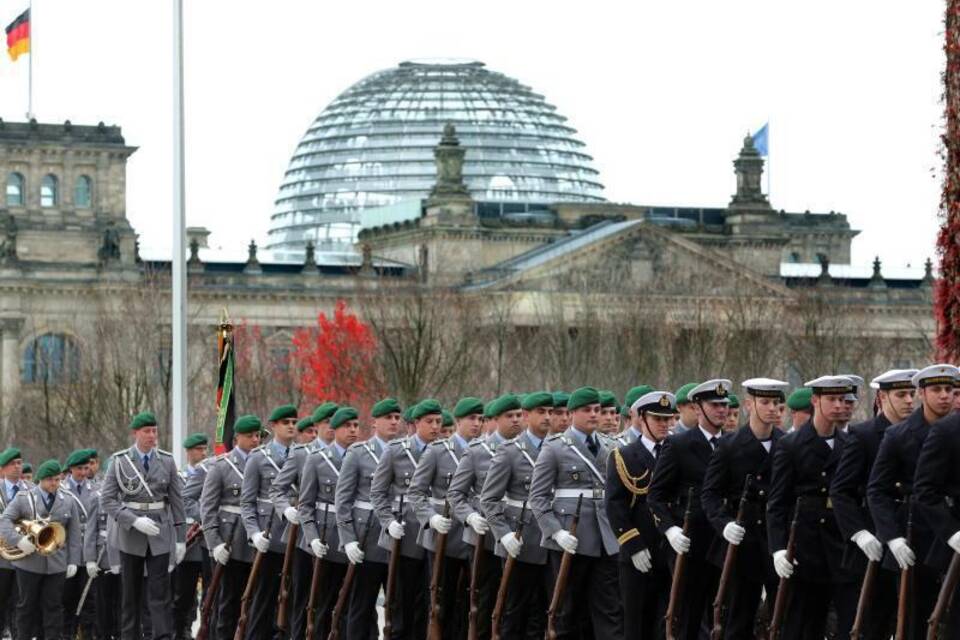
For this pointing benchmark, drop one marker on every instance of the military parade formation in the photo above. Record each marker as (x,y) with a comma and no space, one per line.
(537,515)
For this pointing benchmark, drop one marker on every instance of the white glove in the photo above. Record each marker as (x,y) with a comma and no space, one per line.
(679,542)
(180,551)
(440,524)
(146,526)
(354,552)
(512,544)
(290,513)
(902,553)
(260,542)
(319,549)
(954,542)
(567,541)
(781,565)
(868,543)
(92,570)
(25,545)
(478,523)
(733,533)
(115,569)
(396,530)
(221,554)
(641,560)
(71,570)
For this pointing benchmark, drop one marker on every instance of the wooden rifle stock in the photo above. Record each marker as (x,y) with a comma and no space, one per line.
(729,562)
(193,535)
(563,576)
(679,568)
(391,587)
(345,587)
(318,565)
(206,611)
(866,593)
(474,572)
(783,590)
(247,598)
(905,596)
(283,614)
(944,598)
(505,581)
(435,626)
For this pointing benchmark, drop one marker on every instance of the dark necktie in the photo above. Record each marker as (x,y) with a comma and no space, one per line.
(592,445)
(146,463)
(13,492)
(713,443)
(48,501)
(79,489)
(656,450)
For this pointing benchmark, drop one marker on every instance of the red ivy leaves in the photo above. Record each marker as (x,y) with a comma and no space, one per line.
(947,292)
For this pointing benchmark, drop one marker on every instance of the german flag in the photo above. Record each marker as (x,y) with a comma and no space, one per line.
(18,36)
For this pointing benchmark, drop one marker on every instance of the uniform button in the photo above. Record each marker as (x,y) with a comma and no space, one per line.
(823,489)
(762,492)
(758,522)
(823,473)
(822,521)
(759,477)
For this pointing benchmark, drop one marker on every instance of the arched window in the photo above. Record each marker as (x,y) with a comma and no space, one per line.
(82,192)
(49,191)
(52,358)
(15,190)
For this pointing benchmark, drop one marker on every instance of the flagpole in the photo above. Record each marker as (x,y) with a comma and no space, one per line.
(769,165)
(178,413)
(30,66)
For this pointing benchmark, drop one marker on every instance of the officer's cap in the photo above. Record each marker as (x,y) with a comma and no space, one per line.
(894,379)
(765,387)
(656,403)
(717,390)
(936,374)
(831,385)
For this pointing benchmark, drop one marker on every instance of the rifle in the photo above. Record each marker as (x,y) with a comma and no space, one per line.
(193,535)
(315,582)
(345,587)
(208,601)
(247,598)
(391,587)
(729,562)
(904,608)
(86,587)
(783,590)
(560,586)
(944,598)
(679,568)
(866,592)
(435,629)
(283,614)
(504,581)
(474,572)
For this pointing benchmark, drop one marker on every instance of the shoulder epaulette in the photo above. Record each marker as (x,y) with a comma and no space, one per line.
(356,445)
(397,442)
(262,447)
(222,456)
(118,453)
(165,453)
(554,436)
(476,442)
(440,442)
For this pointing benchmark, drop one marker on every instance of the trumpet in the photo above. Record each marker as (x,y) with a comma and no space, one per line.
(48,537)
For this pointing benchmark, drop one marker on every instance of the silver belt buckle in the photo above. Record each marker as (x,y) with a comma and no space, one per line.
(597,493)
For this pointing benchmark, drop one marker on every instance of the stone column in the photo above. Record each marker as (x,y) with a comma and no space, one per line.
(9,368)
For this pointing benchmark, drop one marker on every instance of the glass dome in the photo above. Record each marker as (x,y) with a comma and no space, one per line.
(373,146)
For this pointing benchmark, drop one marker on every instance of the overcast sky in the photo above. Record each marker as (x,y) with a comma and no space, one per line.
(662,93)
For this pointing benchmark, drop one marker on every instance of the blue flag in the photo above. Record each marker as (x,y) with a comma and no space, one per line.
(761,140)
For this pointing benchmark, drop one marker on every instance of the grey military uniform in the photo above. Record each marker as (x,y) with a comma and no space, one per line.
(262,467)
(629,436)
(130,491)
(352,502)
(220,506)
(428,493)
(318,516)
(391,480)
(95,538)
(464,494)
(506,488)
(30,505)
(565,470)
(4,500)
(193,479)
(286,486)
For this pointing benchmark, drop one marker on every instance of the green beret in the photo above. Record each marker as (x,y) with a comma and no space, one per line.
(93,454)
(426,407)
(537,399)
(142,419)
(305,423)
(343,416)
(247,424)
(799,400)
(634,394)
(194,440)
(487,409)
(408,413)
(447,418)
(607,399)
(27,468)
(283,412)
(385,407)
(560,398)
(468,406)
(683,391)
(325,411)
(734,401)
(9,455)
(506,402)
(582,397)
(77,457)
(47,469)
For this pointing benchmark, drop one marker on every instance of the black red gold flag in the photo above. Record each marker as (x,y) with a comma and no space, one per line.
(18,36)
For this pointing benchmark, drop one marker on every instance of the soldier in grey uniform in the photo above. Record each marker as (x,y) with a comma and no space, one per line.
(283,494)
(318,514)
(392,479)
(572,466)
(687,409)
(502,499)
(142,493)
(263,524)
(103,564)
(634,426)
(560,418)
(353,508)
(11,466)
(196,564)
(77,486)
(40,578)
(428,496)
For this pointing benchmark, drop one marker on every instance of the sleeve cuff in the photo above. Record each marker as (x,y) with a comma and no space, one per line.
(628,536)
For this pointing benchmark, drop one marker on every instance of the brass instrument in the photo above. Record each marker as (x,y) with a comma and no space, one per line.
(48,537)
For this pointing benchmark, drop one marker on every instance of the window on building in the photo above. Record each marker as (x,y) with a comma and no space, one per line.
(49,191)
(53,358)
(14,190)
(82,193)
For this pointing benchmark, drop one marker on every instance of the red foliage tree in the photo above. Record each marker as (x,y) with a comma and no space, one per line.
(337,360)
(947,292)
